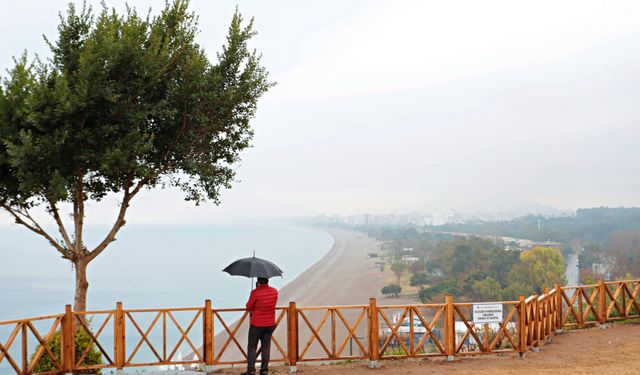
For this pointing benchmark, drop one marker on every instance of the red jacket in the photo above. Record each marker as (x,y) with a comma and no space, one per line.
(262,305)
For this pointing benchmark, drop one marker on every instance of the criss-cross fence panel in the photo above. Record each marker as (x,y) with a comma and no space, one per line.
(632,303)
(231,336)
(554,310)
(26,345)
(163,337)
(622,299)
(548,315)
(581,305)
(98,327)
(528,323)
(411,330)
(332,332)
(472,337)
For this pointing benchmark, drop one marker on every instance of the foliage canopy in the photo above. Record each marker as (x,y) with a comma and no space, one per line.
(391,290)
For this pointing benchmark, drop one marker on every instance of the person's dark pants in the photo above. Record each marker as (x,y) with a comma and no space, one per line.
(264,335)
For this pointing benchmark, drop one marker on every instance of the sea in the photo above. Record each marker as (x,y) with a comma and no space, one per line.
(151,266)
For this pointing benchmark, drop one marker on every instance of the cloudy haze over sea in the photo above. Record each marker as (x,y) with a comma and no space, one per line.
(392,106)
(152,266)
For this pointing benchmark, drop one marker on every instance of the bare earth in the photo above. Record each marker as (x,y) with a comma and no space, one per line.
(614,350)
(346,276)
(590,351)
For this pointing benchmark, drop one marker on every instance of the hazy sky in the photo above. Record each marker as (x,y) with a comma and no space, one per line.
(398,106)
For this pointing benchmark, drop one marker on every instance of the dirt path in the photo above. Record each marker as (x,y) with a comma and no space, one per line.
(615,350)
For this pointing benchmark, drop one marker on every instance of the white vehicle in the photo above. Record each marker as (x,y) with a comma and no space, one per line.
(405,327)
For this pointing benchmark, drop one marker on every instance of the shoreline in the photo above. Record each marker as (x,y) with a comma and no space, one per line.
(345,275)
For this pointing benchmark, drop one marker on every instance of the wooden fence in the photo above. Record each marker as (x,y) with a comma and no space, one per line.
(217,337)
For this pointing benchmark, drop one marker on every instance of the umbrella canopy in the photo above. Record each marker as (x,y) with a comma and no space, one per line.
(253,267)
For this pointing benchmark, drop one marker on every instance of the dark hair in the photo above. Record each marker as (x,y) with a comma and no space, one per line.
(263,280)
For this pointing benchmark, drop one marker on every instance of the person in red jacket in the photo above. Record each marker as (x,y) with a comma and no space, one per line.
(262,307)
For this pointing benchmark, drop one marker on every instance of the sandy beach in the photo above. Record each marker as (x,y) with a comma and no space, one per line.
(344,276)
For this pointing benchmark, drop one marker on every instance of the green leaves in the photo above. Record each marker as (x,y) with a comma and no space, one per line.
(539,268)
(126,99)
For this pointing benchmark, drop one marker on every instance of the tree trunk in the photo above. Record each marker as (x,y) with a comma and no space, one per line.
(80,302)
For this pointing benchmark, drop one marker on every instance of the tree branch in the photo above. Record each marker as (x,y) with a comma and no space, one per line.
(36,228)
(63,231)
(120,222)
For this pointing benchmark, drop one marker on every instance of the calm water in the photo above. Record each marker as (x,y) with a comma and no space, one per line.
(151,266)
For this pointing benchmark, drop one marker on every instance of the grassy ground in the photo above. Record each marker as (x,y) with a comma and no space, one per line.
(408,292)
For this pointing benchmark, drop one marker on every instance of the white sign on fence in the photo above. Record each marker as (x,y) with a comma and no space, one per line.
(487,313)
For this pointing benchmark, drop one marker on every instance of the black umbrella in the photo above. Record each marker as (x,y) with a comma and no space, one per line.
(253,267)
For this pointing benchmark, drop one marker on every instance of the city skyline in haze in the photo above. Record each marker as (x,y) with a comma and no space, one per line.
(403,106)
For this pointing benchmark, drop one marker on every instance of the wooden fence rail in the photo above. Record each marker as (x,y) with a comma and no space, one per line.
(217,337)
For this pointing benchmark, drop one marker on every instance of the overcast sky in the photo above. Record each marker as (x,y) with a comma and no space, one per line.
(399,106)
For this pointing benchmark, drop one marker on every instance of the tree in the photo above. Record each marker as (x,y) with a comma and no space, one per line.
(425,294)
(398,267)
(487,289)
(126,103)
(624,253)
(418,266)
(516,289)
(539,267)
(419,279)
(391,289)
(588,276)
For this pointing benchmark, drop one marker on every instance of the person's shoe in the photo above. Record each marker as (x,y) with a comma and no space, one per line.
(249,373)
(264,372)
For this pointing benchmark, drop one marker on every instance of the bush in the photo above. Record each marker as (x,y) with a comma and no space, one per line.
(425,294)
(391,289)
(419,279)
(82,340)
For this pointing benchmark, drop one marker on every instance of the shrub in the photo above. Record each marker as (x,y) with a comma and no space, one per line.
(391,289)
(82,340)
(425,294)
(419,279)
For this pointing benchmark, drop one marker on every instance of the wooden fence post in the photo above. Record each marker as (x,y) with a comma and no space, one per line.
(602,303)
(292,337)
(68,342)
(25,349)
(522,321)
(536,323)
(450,329)
(547,315)
(119,338)
(372,318)
(332,311)
(623,286)
(559,303)
(552,314)
(207,336)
